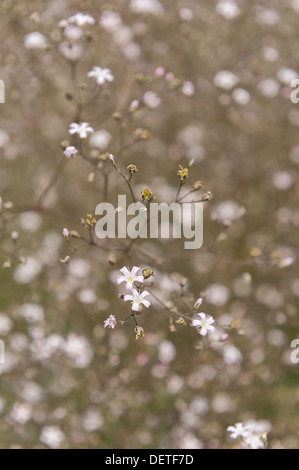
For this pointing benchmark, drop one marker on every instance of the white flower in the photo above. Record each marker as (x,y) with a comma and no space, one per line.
(138,299)
(100,139)
(129,277)
(101,75)
(81,19)
(205,323)
(110,21)
(71,51)
(238,430)
(256,441)
(52,436)
(82,129)
(35,40)
(151,99)
(70,151)
(110,322)
(147,6)
(228,9)
(225,79)
(188,88)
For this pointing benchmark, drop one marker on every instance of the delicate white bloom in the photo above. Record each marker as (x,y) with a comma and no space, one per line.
(33,313)
(25,273)
(35,40)
(21,413)
(72,32)
(110,21)
(188,88)
(70,151)
(100,139)
(130,277)
(71,51)
(241,96)
(286,75)
(256,441)
(151,99)
(205,323)
(81,19)
(238,430)
(269,87)
(225,79)
(101,75)
(52,436)
(82,129)
(228,9)
(110,322)
(78,350)
(147,6)
(138,299)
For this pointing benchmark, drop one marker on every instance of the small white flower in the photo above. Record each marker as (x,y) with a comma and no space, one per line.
(110,322)
(238,430)
(138,299)
(101,75)
(188,88)
(81,19)
(225,79)
(35,40)
(151,99)
(205,323)
(82,129)
(52,436)
(129,277)
(70,151)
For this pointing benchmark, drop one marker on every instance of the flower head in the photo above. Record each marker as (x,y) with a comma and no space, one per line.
(82,129)
(110,322)
(238,430)
(205,323)
(129,277)
(101,75)
(70,151)
(138,299)
(81,19)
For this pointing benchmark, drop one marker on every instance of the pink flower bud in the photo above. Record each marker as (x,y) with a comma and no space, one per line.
(14,236)
(65,233)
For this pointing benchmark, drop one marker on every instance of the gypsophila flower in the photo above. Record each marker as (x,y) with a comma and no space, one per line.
(130,277)
(238,430)
(65,233)
(70,151)
(81,19)
(138,299)
(198,303)
(110,322)
(35,40)
(101,75)
(82,129)
(205,323)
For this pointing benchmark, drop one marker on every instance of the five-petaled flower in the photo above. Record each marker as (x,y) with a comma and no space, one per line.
(138,299)
(70,151)
(82,129)
(129,277)
(205,323)
(110,322)
(101,75)
(238,430)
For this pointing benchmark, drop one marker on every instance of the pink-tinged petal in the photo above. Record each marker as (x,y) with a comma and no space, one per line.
(135,306)
(203,331)
(135,270)
(121,279)
(202,316)
(144,293)
(146,303)
(125,271)
(129,285)
(128,297)
(210,320)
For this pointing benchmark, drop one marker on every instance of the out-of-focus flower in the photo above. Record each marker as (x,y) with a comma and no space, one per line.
(100,139)
(205,323)
(14,236)
(130,277)
(228,9)
(81,19)
(188,88)
(35,40)
(70,151)
(82,129)
(110,322)
(71,51)
(101,75)
(225,79)
(65,233)
(110,21)
(138,299)
(160,71)
(151,99)
(52,436)
(238,430)
(147,6)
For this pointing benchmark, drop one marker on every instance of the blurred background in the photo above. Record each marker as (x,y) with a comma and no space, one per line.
(212,80)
